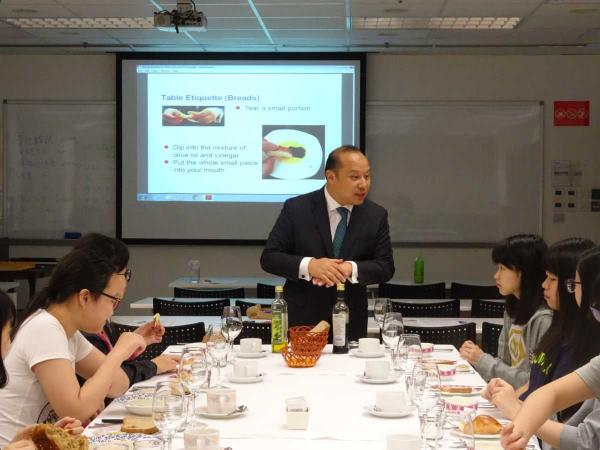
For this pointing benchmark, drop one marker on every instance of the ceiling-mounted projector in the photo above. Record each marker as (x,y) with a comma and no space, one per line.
(185,16)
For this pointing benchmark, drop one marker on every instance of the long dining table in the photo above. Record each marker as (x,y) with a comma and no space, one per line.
(338,407)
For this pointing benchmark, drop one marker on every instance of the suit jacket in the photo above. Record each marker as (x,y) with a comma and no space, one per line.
(302,229)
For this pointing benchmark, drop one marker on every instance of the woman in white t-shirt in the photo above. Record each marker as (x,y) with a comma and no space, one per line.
(49,350)
(21,440)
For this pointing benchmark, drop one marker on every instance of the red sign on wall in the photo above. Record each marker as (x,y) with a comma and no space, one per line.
(571,114)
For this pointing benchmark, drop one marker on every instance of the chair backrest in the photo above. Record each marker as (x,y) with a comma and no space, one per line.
(487,308)
(253,329)
(265,290)
(472,291)
(444,308)
(490,333)
(202,308)
(455,334)
(193,332)
(244,306)
(436,290)
(220,293)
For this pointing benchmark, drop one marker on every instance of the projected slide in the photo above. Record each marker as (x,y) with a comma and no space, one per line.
(228,133)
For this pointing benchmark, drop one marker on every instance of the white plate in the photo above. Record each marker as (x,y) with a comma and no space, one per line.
(474,393)
(261,354)
(296,168)
(121,437)
(139,406)
(355,352)
(245,380)
(459,433)
(388,414)
(368,380)
(140,394)
(204,413)
(463,368)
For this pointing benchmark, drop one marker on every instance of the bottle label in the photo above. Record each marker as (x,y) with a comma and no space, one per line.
(276,328)
(339,329)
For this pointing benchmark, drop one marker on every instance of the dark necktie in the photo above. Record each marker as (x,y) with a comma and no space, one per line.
(340,232)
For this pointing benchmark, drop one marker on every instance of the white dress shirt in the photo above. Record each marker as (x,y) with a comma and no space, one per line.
(334,220)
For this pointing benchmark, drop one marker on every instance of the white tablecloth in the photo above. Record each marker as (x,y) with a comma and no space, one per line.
(336,399)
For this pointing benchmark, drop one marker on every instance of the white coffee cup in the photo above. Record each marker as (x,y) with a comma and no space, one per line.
(390,401)
(403,442)
(207,439)
(250,345)
(191,435)
(220,401)
(377,369)
(368,345)
(242,369)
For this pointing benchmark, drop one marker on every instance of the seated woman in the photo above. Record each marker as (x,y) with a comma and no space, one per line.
(526,319)
(49,350)
(137,370)
(21,440)
(582,431)
(562,348)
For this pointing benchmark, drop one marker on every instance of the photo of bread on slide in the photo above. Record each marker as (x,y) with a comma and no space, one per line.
(193,116)
(292,153)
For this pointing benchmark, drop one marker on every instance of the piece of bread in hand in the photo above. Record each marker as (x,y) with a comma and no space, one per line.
(320,327)
(50,437)
(137,424)
(482,424)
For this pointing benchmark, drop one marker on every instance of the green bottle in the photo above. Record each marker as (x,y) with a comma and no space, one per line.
(279,321)
(419,270)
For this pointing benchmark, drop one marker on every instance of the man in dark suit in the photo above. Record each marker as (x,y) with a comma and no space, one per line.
(330,236)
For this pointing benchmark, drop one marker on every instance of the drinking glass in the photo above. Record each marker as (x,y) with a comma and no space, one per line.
(231,323)
(168,409)
(193,372)
(392,330)
(426,379)
(400,358)
(380,307)
(432,416)
(413,344)
(194,266)
(467,415)
(218,352)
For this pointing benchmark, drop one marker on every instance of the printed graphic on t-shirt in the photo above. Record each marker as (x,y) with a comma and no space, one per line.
(516,345)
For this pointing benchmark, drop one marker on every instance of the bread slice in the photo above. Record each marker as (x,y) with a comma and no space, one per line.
(51,437)
(137,424)
(320,327)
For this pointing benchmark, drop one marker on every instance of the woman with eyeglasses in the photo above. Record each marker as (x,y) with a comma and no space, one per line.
(560,351)
(137,370)
(49,350)
(582,430)
(519,277)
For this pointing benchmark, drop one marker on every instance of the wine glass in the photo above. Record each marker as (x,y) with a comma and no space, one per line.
(380,307)
(217,351)
(194,266)
(193,372)
(392,329)
(168,409)
(231,323)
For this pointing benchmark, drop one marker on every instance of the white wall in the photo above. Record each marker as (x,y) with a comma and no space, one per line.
(390,77)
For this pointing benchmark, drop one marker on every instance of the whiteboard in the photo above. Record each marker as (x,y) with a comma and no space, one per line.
(59,168)
(457,172)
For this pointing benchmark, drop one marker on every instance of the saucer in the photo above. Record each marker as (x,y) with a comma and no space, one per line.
(204,413)
(358,354)
(369,380)
(246,380)
(389,414)
(139,406)
(252,355)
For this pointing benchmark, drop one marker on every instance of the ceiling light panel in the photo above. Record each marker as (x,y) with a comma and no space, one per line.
(436,23)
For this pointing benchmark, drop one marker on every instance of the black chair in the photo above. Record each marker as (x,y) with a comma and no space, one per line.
(455,335)
(487,308)
(436,290)
(446,308)
(220,293)
(244,306)
(253,329)
(265,290)
(490,333)
(473,291)
(202,308)
(194,332)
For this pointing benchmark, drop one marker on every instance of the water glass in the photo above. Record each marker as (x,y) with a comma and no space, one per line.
(432,416)
(169,409)
(400,358)
(193,372)
(194,266)
(392,330)
(413,344)
(467,415)
(381,306)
